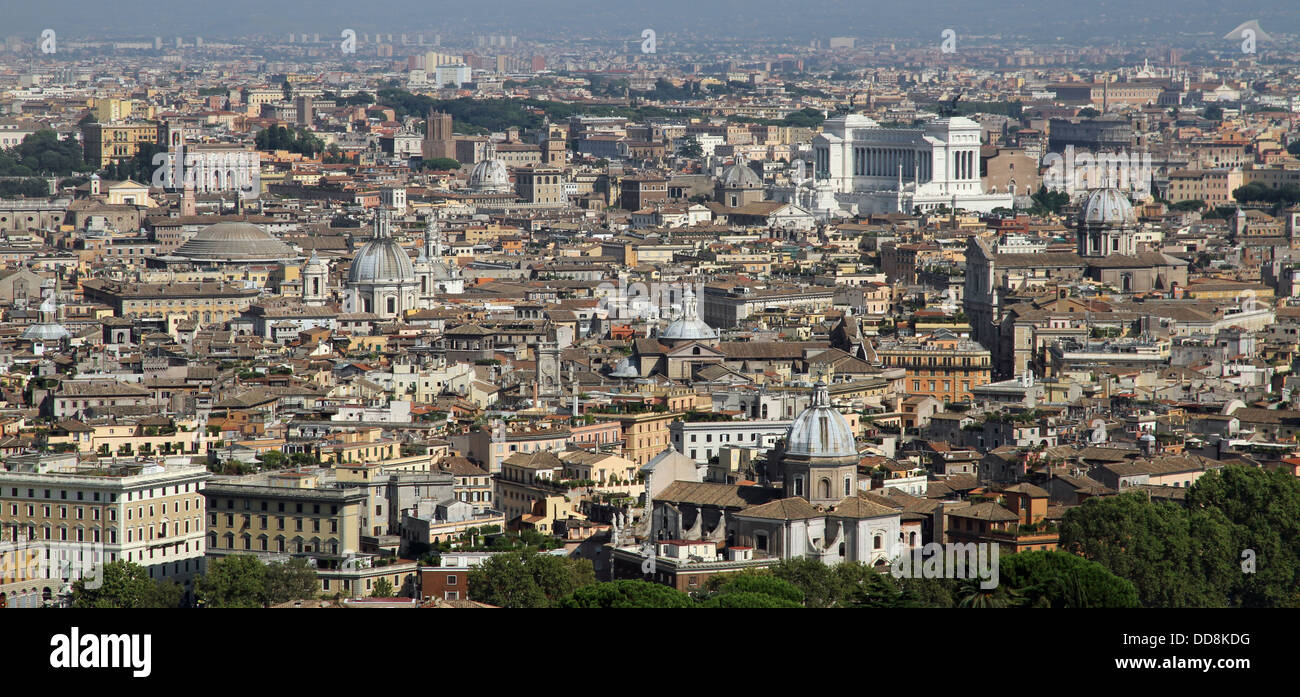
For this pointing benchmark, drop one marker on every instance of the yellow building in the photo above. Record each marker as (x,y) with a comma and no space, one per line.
(286,512)
(113,110)
(203,302)
(644,435)
(113,143)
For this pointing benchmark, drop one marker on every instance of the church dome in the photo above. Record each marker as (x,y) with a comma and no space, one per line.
(684,329)
(489,176)
(821,430)
(740,177)
(1107,207)
(235,242)
(382,260)
(688,327)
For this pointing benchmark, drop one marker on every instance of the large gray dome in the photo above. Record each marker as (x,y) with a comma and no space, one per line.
(382,260)
(821,430)
(235,242)
(740,177)
(1107,207)
(489,176)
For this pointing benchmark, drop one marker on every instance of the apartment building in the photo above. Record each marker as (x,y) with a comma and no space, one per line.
(704,440)
(113,143)
(148,512)
(940,365)
(285,512)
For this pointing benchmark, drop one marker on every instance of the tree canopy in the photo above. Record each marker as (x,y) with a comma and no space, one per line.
(125,584)
(1189,556)
(244,581)
(42,153)
(235,581)
(1061,579)
(524,578)
(297,140)
(630,593)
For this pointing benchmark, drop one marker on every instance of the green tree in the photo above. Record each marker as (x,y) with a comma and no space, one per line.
(524,578)
(126,585)
(692,149)
(274,459)
(632,593)
(297,140)
(1046,201)
(1061,579)
(441,164)
(821,585)
(1175,557)
(764,583)
(973,595)
(166,594)
(1261,510)
(291,580)
(42,153)
(235,581)
(383,589)
(748,600)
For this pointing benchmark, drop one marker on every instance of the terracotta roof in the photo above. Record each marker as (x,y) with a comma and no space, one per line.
(793,508)
(713,494)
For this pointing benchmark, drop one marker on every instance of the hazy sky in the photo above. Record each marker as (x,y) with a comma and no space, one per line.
(798,20)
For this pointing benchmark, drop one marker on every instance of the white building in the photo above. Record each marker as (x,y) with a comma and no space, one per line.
(456,74)
(702,440)
(871,169)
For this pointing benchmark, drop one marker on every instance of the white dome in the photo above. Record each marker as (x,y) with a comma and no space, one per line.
(821,430)
(382,260)
(688,330)
(489,176)
(688,327)
(1107,207)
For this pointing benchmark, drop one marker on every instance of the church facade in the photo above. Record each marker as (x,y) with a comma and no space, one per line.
(807,505)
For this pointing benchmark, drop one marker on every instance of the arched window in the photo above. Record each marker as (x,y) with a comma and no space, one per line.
(877,542)
(824,488)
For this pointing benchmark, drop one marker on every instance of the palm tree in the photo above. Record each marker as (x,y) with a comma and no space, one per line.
(973,595)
